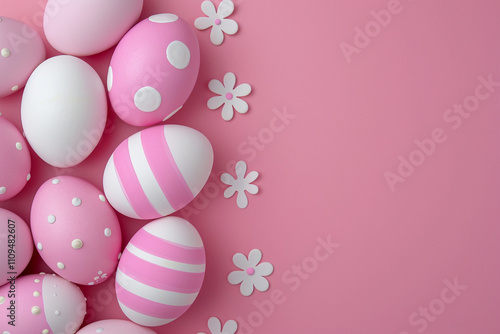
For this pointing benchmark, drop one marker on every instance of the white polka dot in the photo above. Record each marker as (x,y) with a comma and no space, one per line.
(3,190)
(15,88)
(19,146)
(36,294)
(5,52)
(45,331)
(5,332)
(28,177)
(91,283)
(51,219)
(76,201)
(60,265)
(178,55)
(102,198)
(147,99)
(2,300)
(39,246)
(110,79)
(42,273)
(77,244)
(37,280)
(56,181)
(163,18)
(36,310)
(96,278)
(107,232)
(99,272)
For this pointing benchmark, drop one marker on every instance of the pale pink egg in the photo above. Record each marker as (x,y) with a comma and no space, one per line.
(16,245)
(153,70)
(157,171)
(15,161)
(114,326)
(84,28)
(44,304)
(160,272)
(75,230)
(21,51)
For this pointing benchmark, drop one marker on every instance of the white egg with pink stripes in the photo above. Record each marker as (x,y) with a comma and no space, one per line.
(158,171)
(161,272)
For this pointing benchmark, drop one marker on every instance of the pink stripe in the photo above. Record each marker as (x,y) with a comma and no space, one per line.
(167,249)
(148,307)
(130,183)
(160,277)
(163,165)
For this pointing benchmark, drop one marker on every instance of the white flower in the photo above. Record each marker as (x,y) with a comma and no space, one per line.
(214,325)
(252,274)
(240,184)
(229,96)
(217,20)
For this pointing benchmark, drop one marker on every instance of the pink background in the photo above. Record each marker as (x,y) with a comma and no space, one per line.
(323,174)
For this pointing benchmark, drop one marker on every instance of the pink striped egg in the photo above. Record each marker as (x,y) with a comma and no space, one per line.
(157,171)
(114,326)
(160,272)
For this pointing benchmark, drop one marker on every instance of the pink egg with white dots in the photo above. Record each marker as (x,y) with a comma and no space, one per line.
(15,160)
(15,243)
(75,230)
(42,304)
(21,51)
(153,70)
(114,326)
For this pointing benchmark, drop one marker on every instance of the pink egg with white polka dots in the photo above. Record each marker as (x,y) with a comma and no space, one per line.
(15,161)
(21,51)
(15,243)
(75,230)
(45,304)
(153,70)
(114,326)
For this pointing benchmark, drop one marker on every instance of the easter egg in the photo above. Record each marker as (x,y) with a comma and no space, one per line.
(75,230)
(15,160)
(157,171)
(83,28)
(64,110)
(153,70)
(16,245)
(160,272)
(114,326)
(21,51)
(45,304)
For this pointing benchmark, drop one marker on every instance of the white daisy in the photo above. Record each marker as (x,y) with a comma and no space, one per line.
(252,274)
(240,184)
(229,96)
(214,325)
(217,20)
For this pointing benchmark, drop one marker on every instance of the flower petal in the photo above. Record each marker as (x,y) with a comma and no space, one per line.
(252,176)
(240,105)
(254,257)
(228,179)
(227,111)
(261,283)
(229,192)
(242,90)
(252,189)
(242,200)
(217,87)
(225,9)
(241,169)
(236,277)
(229,81)
(246,288)
(240,261)
(215,102)
(264,269)
(230,27)
(230,327)
(214,325)
(209,9)
(216,36)
(203,23)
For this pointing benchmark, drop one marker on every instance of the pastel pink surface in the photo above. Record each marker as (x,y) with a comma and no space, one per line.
(15,161)
(152,56)
(113,326)
(322,132)
(73,225)
(21,50)
(89,27)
